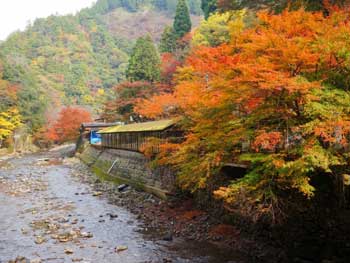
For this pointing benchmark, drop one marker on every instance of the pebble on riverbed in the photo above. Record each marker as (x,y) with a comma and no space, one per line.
(120,248)
(68,251)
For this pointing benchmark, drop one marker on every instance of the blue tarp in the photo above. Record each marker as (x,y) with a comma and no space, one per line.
(95,138)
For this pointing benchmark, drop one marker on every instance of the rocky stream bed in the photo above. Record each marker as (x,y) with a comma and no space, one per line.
(52,209)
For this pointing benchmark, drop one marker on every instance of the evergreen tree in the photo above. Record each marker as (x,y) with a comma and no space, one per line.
(144,62)
(182,21)
(168,40)
(208,7)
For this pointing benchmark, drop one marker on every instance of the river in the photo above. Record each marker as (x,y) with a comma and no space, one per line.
(48,215)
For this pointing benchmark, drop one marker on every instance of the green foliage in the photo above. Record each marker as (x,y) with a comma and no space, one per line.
(182,20)
(208,7)
(276,6)
(279,91)
(144,62)
(62,59)
(76,60)
(30,99)
(216,29)
(10,118)
(104,6)
(9,121)
(168,40)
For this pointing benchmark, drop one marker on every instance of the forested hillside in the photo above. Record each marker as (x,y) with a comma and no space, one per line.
(76,60)
(259,87)
(257,94)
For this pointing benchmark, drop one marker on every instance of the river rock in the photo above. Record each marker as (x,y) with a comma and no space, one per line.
(168,237)
(68,251)
(86,234)
(120,248)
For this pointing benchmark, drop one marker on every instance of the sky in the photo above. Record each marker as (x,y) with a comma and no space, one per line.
(15,14)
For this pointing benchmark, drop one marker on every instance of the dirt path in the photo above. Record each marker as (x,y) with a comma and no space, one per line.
(48,215)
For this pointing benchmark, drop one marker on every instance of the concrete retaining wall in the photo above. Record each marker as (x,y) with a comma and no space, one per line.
(131,168)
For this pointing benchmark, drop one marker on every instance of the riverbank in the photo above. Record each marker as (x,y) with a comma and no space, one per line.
(54,210)
(317,231)
(179,217)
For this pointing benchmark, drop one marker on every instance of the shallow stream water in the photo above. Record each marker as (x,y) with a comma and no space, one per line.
(48,215)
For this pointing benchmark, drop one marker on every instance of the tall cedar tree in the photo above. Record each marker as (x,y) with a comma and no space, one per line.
(168,41)
(144,62)
(208,7)
(182,20)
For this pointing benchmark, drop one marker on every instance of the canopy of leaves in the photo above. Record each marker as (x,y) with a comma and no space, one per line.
(168,41)
(66,127)
(208,7)
(182,21)
(126,96)
(72,60)
(103,6)
(216,29)
(278,91)
(144,62)
(10,118)
(9,121)
(279,5)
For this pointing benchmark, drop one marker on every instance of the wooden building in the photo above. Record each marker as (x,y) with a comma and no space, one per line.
(89,131)
(133,136)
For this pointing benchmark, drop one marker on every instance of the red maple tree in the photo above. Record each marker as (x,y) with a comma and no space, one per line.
(66,127)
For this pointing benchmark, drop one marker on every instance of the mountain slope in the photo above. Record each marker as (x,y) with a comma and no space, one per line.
(132,25)
(64,60)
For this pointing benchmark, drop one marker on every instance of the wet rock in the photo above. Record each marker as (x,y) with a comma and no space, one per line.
(86,234)
(112,216)
(66,237)
(24,231)
(63,220)
(122,187)
(68,251)
(168,237)
(120,248)
(77,259)
(39,240)
(19,260)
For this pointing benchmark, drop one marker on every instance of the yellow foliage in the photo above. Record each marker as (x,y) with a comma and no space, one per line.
(9,121)
(219,28)
(100,92)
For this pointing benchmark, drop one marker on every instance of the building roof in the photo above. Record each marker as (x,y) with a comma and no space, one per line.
(92,125)
(140,127)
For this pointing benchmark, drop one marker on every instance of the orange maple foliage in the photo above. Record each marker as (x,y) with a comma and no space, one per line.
(267,141)
(168,67)
(66,127)
(268,90)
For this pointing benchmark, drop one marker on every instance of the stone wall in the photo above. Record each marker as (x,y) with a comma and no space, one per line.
(131,168)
